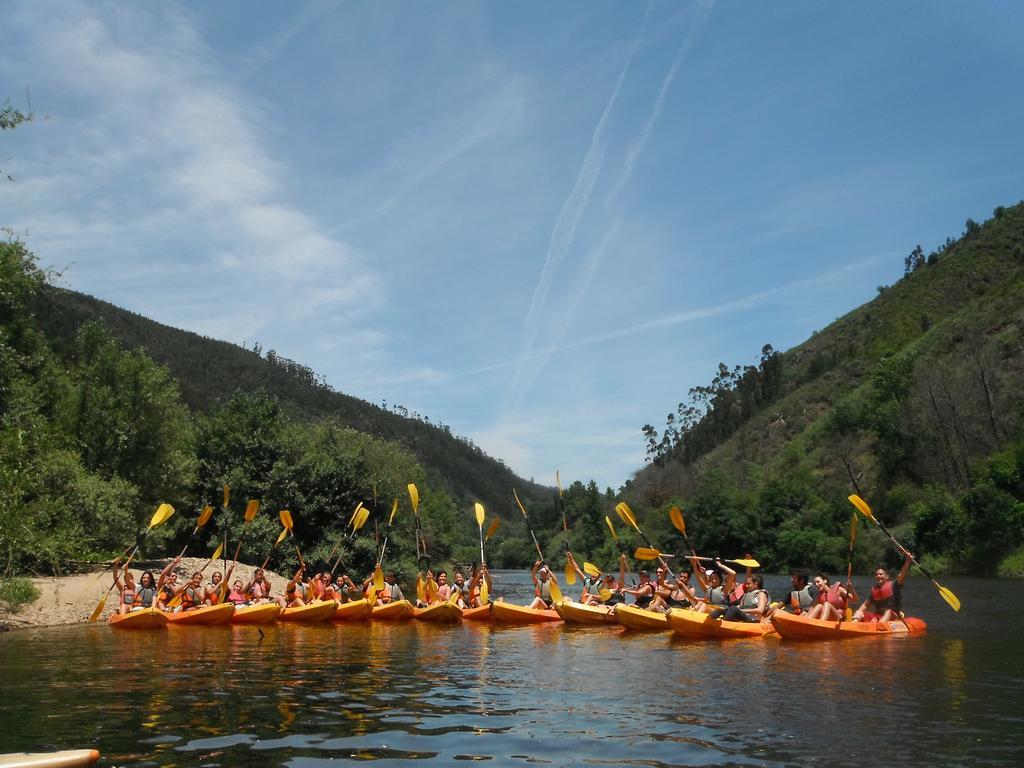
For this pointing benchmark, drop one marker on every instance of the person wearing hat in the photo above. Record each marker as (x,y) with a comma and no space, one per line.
(542,578)
(717,590)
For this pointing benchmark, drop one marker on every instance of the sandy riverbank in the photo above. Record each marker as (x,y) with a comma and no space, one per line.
(71,599)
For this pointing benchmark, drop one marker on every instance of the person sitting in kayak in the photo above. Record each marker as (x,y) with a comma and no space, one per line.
(800,598)
(258,590)
(542,578)
(884,601)
(167,589)
(192,593)
(215,589)
(643,593)
(444,590)
(236,594)
(717,591)
(473,588)
(833,599)
(295,592)
(391,593)
(126,590)
(344,589)
(461,586)
(751,607)
(606,583)
(676,593)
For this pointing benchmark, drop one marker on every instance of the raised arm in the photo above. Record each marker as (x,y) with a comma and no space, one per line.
(905,569)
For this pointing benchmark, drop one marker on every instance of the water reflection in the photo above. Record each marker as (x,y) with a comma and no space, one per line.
(303,696)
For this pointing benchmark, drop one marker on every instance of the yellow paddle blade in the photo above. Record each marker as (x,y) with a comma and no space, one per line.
(521,507)
(478,508)
(606,594)
(217,551)
(414,497)
(676,516)
(175,601)
(746,563)
(645,553)
(227,494)
(626,514)
(280,536)
(286,519)
(98,610)
(421,590)
(371,595)
(862,507)
(431,590)
(163,512)
(361,518)
(484,592)
(453,598)
(949,597)
(378,578)
(354,513)
(591,570)
(204,516)
(556,591)
(394,509)
(570,573)
(251,510)
(853,528)
(492,528)
(611,527)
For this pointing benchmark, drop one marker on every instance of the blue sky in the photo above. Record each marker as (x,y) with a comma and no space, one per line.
(538,223)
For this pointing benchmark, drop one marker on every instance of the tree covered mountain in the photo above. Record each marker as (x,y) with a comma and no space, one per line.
(914,400)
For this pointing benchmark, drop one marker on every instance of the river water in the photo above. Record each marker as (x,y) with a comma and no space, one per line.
(315,696)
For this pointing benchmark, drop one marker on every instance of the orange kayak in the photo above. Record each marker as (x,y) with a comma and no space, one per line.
(695,624)
(147,618)
(356,610)
(509,613)
(439,613)
(480,613)
(398,610)
(310,613)
(632,617)
(793,627)
(208,614)
(578,613)
(261,613)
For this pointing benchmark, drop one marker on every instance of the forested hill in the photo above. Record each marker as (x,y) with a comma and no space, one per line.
(209,372)
(915,400)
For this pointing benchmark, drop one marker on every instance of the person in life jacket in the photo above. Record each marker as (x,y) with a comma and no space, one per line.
(392,592)
(801,597)
(237,595)
(146,593)
(643,592)
(717,589)
(594,585)
(168,589)
(832,601)
(192,593)
(345,588)
(215,590)
(258,590)
(295,592)
(884,603)
(752,605)
(542,577)
(480,574)
(125,589)
(674,593)
(444,589)
(461,586)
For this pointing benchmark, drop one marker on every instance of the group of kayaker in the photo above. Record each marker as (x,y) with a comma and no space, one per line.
(724,596)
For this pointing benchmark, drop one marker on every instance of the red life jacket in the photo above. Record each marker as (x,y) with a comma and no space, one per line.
(882,597)
(832,596)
